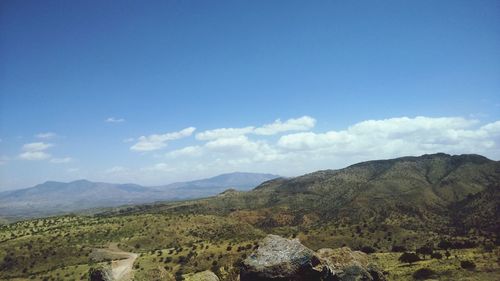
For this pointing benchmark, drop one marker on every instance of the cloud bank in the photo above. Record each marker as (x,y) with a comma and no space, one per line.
(298,149)
(35,151)
(114,120)
(299,124)
(47,135)
(159,141)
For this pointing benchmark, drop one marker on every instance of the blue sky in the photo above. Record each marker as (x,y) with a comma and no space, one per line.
(348,80)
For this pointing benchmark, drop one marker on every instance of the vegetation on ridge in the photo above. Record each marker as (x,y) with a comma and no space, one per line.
(442,209)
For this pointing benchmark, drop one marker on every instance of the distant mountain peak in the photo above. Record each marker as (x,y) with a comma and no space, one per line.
(81,181)
(52,197)
(474,158)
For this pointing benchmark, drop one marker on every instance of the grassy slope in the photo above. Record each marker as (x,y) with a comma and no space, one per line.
(408,202)
(171,244)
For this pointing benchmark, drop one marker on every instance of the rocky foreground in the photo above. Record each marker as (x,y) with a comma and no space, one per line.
(281,259)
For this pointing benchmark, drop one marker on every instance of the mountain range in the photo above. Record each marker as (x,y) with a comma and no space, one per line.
(53,197)
(438,192)
(446,205)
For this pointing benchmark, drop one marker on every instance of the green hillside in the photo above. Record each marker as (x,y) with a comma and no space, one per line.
(419,193)
(448,204)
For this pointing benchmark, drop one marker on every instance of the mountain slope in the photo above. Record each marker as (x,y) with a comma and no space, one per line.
(57,197)
(412,192)
(217,184)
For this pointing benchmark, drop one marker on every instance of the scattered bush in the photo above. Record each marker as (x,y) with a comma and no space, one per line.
(447,254)
(424,250)
(398,249)
(367,250)
(436,255)
(444,245)
(409,258)
(469,265)
(423,273)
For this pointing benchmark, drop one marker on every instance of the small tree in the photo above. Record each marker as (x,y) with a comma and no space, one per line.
(444,245)
(467,265)
(424,250)
(367,250)
(436,255)
(398,249)
(423,273)
(409,258)
(447,254)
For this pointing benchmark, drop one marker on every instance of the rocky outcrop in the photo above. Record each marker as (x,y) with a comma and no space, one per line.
(101,273)
(206,275)
(282,259)
(350,265)
(278,258)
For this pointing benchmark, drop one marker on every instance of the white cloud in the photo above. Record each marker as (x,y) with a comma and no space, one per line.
(159,167)
(188,151)
(303,123)
(61,160)
(116,169)
(224,133)
(397,136)
(114,120)
(491,128)
(158,141)
(298,148)
(239,149)
(232,149)
(36,146)
(127,140)
(47,135)
(35,151)
(34,155)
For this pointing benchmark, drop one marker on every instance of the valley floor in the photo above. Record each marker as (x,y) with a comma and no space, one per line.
(148,268)
(487,267)
(168,246)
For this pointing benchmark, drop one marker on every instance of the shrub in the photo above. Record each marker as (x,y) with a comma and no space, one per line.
(444,244)
(469,265)
(367,250)
(423,273)
(447,254)
(182,260)
(409,258)
(178,275)
(436,255)
(398,249)
(425,250)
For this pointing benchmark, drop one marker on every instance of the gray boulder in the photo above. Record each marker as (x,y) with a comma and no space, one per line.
(348,265)
(101,273)
(278,258)
(206,275)
(282,259)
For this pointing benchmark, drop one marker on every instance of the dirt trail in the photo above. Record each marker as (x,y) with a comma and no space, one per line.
(122,264)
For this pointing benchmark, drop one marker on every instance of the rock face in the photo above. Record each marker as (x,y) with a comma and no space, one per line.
(350,265)
(100,273)
(201,276)
(278,258)
(282,259)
